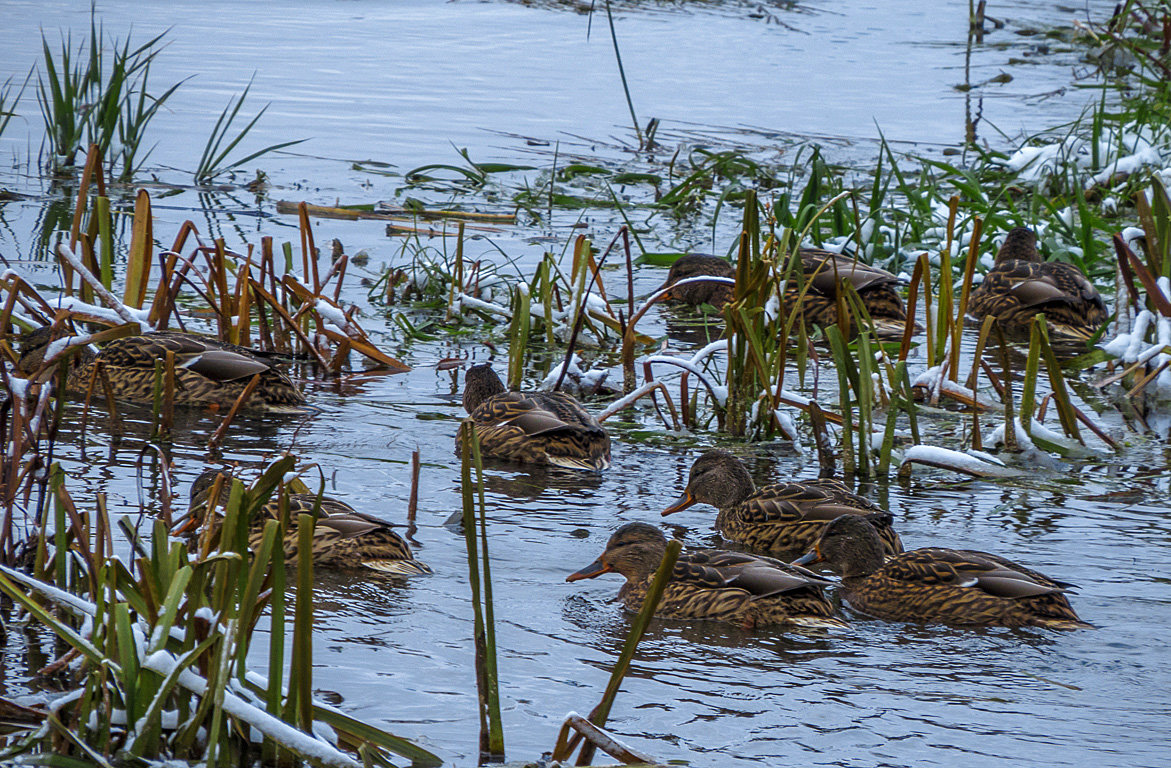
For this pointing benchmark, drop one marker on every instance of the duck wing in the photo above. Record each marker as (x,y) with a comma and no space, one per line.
(993,575)
(142,351)
(759,576)
(795,501)
(826,268)
(208,357)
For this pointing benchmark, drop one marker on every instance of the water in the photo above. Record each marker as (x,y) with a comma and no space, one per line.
(403,82)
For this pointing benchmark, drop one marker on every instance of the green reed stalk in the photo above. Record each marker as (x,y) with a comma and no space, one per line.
(638,628)
(301,663)
(923,268)
(1061,396)
(865,404)
(106,241)
(845,366)
(622,75)
(1029,388)
(60,529)
(518,334)
(487,684)
(965,292)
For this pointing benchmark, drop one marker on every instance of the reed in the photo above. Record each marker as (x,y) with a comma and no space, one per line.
(480,581)
(169,633)
(222,141)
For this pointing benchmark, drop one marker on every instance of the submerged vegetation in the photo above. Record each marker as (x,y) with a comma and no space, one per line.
(155,633)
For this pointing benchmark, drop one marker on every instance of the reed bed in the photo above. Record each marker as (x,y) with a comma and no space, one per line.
(161,640)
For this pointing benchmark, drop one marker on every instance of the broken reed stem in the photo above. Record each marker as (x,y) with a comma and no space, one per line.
(627,400)
(222,430)
(66,253)
(825,448)
(413,503)
(1010,443)
(1057,383)
(965,292)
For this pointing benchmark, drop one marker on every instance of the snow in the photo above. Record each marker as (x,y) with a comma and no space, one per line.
(311,747)
(700,279)
(977,464)
(74,304)
(577,382)
(720,394)
(933,381)
(1146,156)
(333,315)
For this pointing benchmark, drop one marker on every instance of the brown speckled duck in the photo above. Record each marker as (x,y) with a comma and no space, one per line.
(713,584)
(781,518)
(207,371)
(533,427)
(702,292)
(1021,285)
(824,271)
(934,585)
(342,536)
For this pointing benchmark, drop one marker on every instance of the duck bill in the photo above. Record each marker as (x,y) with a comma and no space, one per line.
(809,558)
(682,503)
(596,568)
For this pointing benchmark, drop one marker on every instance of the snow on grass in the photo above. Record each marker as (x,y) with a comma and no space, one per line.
(976,464)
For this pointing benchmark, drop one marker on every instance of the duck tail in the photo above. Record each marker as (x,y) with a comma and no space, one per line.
(595,463)
(398,567)
(891,328)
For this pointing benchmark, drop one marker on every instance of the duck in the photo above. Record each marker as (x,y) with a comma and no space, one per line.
(713,584)
(1021,285)
(689,265)
(531,427)
(343,538)
(208,372)
(818,301)
(780,518)
(938,586)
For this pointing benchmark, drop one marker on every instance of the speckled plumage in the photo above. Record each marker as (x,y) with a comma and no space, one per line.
(207,371)
(935,585)
(1020,285)
(781,518)
(823,272)
(699,265)
(713,584)
(342,536)
(532,427)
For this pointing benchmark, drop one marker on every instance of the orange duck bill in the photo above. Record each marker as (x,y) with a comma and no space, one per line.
(682,503)
(809,558)
(596,568)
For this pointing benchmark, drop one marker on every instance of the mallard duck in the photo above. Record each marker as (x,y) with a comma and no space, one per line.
(342,536)
(1021,284)
(703,292)
(778,518)
(534,427)
(823,272)
(207,371)
(712,583)
(934,585)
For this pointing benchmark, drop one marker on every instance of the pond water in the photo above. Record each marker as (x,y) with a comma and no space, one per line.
(404,82)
